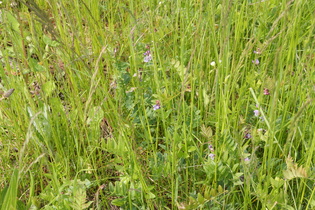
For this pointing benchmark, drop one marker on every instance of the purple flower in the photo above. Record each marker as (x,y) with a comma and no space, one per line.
(248,136)
(147,56)
(266,91)
(211,147)
(157,105)
(257,113)
(246,159)
(256,62)
(211,155)
(147,53)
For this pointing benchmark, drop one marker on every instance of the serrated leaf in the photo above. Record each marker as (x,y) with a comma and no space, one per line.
(276,182)
(206,131)
(293,171)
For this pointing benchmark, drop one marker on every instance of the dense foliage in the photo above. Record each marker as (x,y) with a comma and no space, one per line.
(184,104)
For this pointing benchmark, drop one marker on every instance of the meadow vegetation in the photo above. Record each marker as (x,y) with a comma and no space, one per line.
(184,104)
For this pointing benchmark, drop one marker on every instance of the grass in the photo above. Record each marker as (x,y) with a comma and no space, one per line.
(157,104)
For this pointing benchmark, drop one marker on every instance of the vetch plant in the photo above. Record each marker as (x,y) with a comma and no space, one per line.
(163,125)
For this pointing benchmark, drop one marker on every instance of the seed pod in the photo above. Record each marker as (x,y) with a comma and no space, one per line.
(8,93)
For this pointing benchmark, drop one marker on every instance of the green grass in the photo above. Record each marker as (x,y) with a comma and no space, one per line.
(91,125)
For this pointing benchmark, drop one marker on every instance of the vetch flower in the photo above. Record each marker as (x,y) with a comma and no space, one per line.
(211,147)
(247,136)
(147,52)
(147,56)
(257,113)
(246,159)
(157,105)
(211,155)
(256,62)
(258,51)
(266,91)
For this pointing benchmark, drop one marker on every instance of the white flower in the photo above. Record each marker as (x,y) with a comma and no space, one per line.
(212,63)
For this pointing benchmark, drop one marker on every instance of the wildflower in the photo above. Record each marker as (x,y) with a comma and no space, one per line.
(257,113)
(157,105)
(148,56)
(247,136)
(246,159)
(256,62)
(212,64)
(261,130)
(113,85)
(148,52)
(13,4)
(211,147)
(138,74)
(266,91)
(258,51)
(211,155)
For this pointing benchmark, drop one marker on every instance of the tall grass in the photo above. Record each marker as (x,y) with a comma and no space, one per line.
(157,104)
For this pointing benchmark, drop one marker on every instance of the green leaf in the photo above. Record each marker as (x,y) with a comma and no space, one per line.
(200,199)
(50,42)
(10,199)
(276,182)
(192,148)
(15,25)
(2,195)
(150,195)
(119,201)
(49,87)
